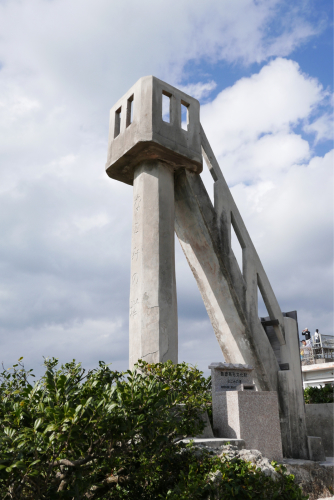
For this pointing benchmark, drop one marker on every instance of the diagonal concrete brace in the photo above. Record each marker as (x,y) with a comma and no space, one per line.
(196,228)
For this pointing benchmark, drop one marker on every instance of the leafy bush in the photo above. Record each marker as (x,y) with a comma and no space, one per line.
(316,395)
(210,477)
(111,435)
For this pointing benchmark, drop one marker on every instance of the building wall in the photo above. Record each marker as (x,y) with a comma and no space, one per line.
(318,374)
(320,422)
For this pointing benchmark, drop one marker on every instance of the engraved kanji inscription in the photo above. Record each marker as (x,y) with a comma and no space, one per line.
(137,203)
(135,254)
(133,307)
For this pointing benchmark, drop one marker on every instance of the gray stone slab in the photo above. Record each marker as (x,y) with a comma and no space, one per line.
(207,432)
(228,376)
(316,450)
(320,422)
(251,416)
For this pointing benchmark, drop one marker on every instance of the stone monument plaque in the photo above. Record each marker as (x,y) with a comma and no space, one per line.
(231,377)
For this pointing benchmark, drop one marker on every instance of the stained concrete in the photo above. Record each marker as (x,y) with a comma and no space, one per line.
(320,422)
(194,226)
(153,304)
(145,151)
(149,136)
(211,273)
(291,395)
(316,449)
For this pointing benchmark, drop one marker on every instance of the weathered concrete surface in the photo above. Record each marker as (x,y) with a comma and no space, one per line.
(241,341)
(198,241)
(320,422)
(253,275)
(315,480)
(316,450)
(153,304)
(144,138)
(245,284)
(291,396)
(148,136)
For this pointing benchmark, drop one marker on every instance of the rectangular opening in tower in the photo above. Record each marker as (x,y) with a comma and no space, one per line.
(267,324)
(118,116)
(261,306)
(237,243)
(184,115)
(166,106)
(129,111)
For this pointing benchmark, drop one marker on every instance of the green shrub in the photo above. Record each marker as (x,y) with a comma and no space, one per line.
(111,435)
(316,395)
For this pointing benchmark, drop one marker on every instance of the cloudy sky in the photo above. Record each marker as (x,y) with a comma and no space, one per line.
(262,70)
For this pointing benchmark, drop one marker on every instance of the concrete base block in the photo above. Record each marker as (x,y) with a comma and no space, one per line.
(251,416)
(320,422)
(315,448)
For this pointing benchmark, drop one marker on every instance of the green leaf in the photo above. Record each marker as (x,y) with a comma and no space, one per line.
(51,427)
(37,423)
(78,408)
(34,463)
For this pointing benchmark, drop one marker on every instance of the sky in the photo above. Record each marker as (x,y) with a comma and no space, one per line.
(263,73)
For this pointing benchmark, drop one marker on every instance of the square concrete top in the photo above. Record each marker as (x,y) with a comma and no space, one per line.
(139,131)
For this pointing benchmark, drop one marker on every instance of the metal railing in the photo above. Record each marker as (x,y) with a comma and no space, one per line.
(321,350)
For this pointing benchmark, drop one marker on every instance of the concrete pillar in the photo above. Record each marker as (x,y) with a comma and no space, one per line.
(153,305)
(291,396)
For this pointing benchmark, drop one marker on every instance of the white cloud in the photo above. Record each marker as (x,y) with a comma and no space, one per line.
(322,127)
(199,90)
(66,227)
(270,101)
(71,50)
(284,194)
(250,125)
(88,341)
(291,226)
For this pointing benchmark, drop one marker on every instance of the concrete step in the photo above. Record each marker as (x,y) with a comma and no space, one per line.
(329,462)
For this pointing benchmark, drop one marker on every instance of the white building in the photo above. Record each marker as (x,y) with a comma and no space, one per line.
(318,375)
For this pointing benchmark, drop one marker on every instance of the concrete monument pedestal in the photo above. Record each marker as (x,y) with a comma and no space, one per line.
(251,416)
(240,412)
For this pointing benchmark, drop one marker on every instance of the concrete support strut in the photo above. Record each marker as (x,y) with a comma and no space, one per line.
(153,304)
